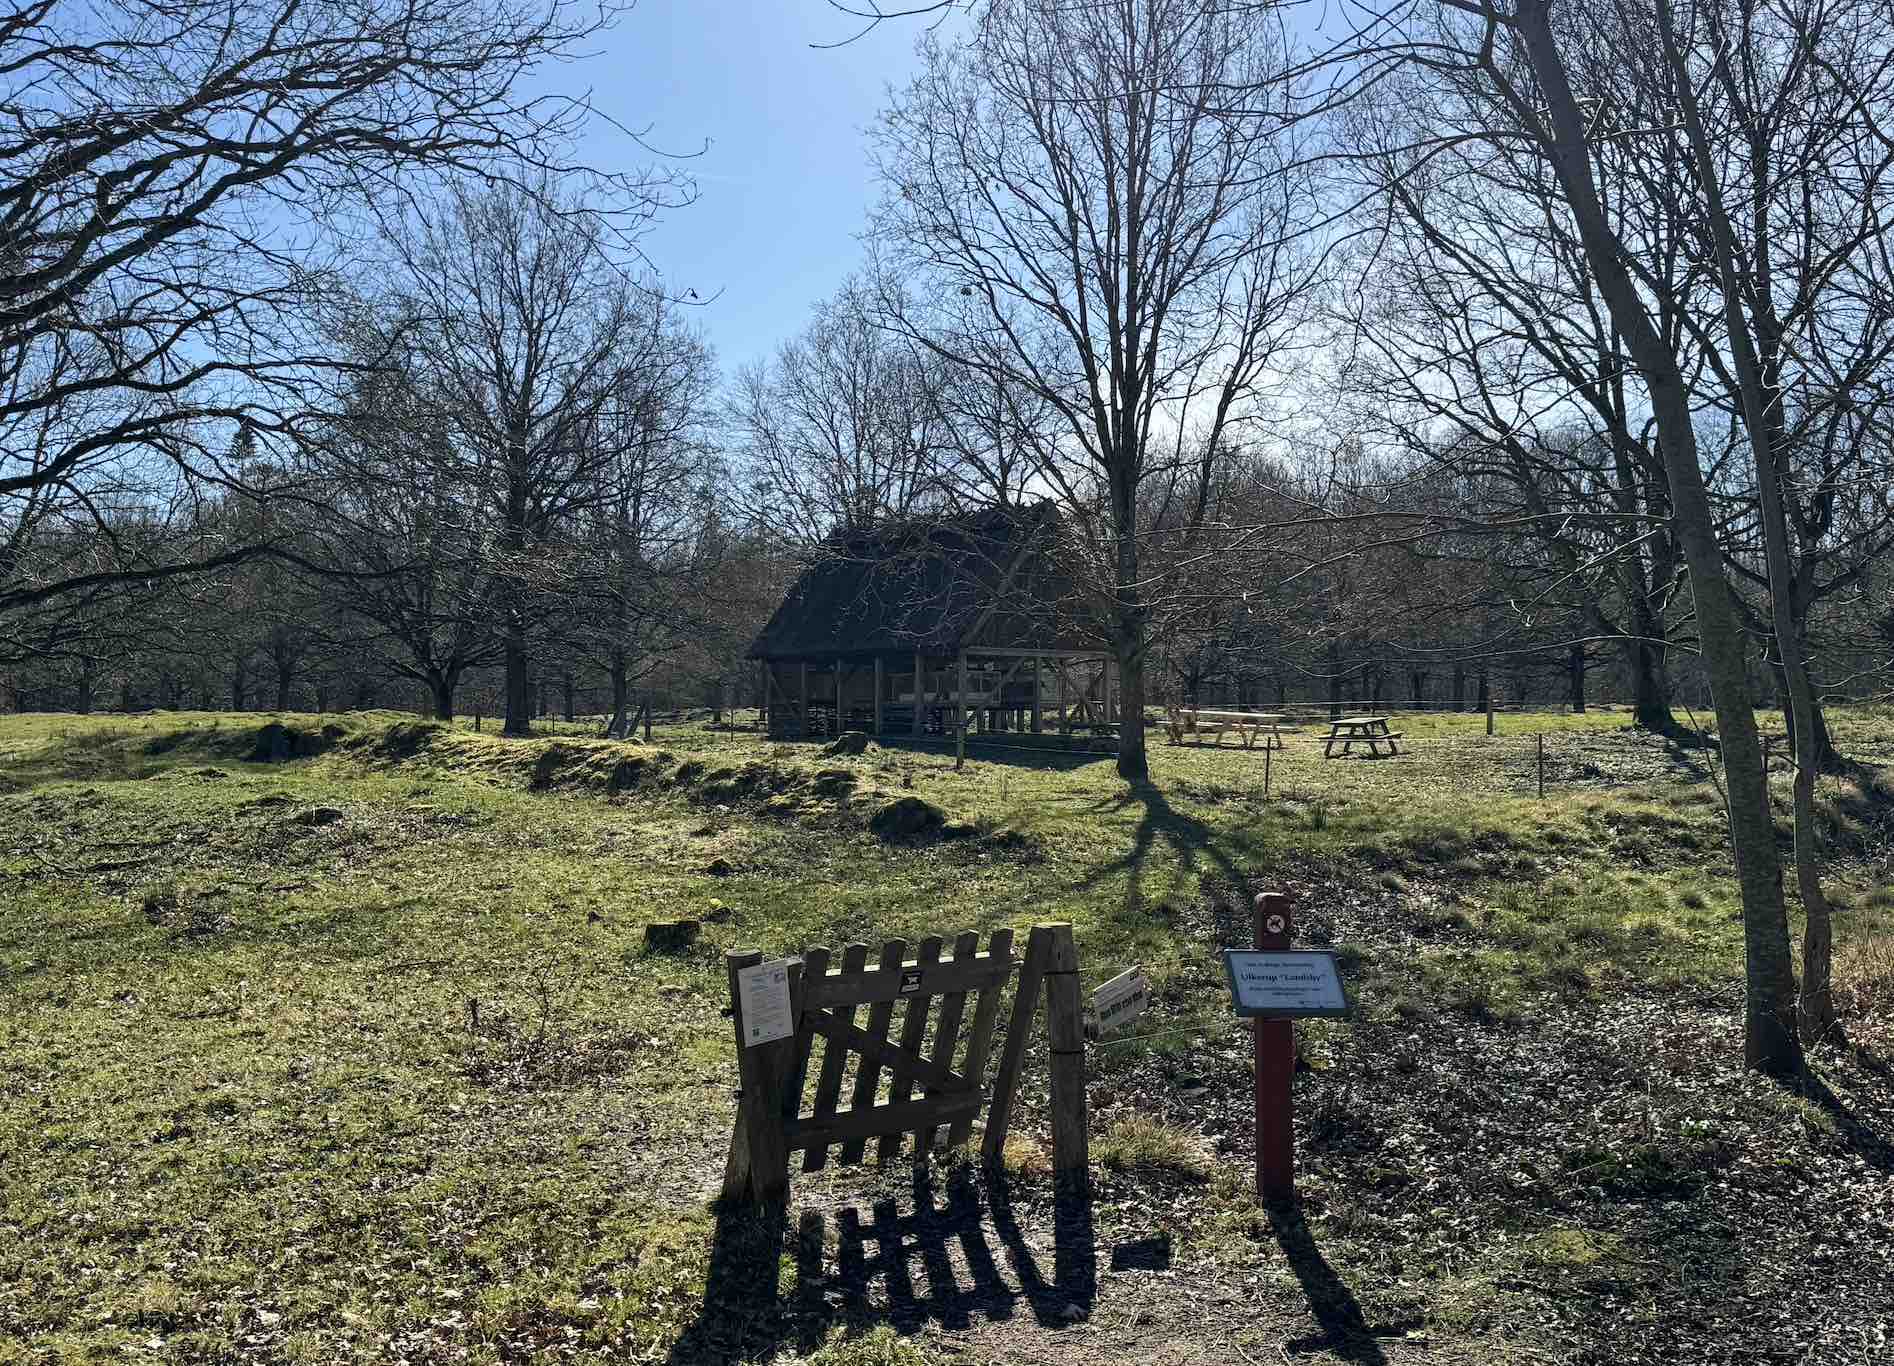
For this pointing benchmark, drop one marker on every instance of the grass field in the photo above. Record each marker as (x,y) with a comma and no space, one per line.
(358,1054)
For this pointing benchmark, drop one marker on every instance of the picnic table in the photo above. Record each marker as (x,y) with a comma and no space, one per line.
(1201,721)
(1348,731)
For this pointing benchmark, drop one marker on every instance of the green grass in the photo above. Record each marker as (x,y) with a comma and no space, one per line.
(399,1078)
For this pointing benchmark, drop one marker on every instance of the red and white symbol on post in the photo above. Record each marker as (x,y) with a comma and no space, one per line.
(1274,924)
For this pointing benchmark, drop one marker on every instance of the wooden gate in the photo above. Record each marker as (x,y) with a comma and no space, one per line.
(943,1052)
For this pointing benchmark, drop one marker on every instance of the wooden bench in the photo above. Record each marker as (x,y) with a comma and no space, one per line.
(1201,721)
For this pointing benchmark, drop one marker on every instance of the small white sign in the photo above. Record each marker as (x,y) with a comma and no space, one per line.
(763,997)
(1120,1001)
(1285,983)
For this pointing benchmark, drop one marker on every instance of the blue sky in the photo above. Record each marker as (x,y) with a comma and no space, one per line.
(785,184)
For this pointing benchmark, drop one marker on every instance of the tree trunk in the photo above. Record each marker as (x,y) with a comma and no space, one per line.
(442,683)
(1334,679)
(1485,694)
(1459,687)
(1650,694)
(1419,681)
(619,727)
(238,685)
(1770,1038)
(1575,671)
(86,673)
(1133,764)
(519,699)
(285,676)
(565,682)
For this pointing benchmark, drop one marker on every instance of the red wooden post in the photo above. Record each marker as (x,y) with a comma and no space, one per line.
(1275,1069)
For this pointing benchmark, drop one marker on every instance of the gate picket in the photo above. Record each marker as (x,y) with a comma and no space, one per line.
(868,1078)
(947,1031)
(913,1033)
(834,1058)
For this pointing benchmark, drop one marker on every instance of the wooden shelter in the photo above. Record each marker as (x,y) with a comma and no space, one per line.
(924,627)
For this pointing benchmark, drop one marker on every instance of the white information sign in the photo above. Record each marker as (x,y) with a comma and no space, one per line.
(1285,983)
(763,997)
(1120,1001)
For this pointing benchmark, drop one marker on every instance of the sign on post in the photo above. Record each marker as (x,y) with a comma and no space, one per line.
(1285,984)
(763,992)
(1118,1002)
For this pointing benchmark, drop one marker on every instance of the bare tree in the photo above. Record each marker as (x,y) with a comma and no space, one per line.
(1524,54)
(527,329)
(841,427)
(180,179)
(640,557)
(1102,228)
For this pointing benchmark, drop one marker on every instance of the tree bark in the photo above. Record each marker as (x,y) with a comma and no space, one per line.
(1575,670)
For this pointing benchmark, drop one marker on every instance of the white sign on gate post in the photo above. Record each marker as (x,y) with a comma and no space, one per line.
(1120,1001)
(763,997)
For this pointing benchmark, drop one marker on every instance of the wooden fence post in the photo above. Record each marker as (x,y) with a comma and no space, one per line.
(758,1165)
(1065,1032)
(1275,1069)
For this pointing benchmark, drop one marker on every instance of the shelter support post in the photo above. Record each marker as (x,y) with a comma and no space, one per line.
(960,716)
(879,688)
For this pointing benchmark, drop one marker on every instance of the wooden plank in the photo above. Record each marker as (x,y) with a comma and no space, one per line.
(947,1032)
(868,1076)
(937,1076)
(1032,975)
(913,1032)
(815,962)
(888,1122)
(919,693)
(883,983)
(880,688)
(980,1036)
(736,1167)
(1065,1037)
(834,1057)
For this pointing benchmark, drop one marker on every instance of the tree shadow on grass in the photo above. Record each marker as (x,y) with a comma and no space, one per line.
(947,1241)
(1190,841)
(1874,1148)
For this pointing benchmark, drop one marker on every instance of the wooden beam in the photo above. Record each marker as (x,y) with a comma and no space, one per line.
(933,1073)
(880,687)
(805,699)
(1019,1025)
(919,674)
(887,1121)
(884,983)
(1036,726)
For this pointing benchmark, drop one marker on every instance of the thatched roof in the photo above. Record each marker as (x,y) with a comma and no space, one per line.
(924,585)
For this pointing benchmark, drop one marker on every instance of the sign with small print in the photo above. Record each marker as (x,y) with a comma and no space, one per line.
(763,997)
(910,981)
(1285,984)
(1120,1001)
